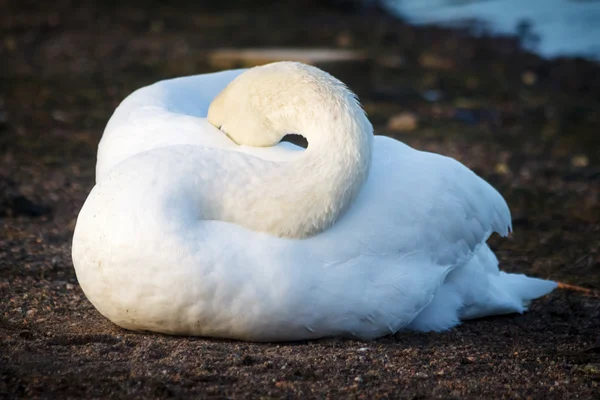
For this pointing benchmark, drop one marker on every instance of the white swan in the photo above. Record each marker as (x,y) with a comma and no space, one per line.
(187,232)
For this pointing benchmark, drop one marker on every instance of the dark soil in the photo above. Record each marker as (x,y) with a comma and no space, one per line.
(530,127)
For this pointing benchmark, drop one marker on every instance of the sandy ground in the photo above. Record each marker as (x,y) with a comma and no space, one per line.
(528,126)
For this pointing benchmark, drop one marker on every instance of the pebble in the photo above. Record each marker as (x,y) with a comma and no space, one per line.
(390,61)
(433,61)
(529,78)
(591,369)
(403,122)
(60,116)
(344,39)
(502,169)
(580,161)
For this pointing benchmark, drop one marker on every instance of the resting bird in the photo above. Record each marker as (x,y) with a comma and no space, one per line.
(202,222)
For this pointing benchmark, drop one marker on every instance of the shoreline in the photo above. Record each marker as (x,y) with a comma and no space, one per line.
(549,28)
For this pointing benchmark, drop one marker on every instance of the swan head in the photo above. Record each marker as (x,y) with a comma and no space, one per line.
(235,112)
(263,104)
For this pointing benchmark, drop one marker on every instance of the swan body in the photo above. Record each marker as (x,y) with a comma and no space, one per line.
(195,230)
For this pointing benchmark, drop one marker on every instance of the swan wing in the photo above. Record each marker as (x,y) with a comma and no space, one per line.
(422,202)
(464,214)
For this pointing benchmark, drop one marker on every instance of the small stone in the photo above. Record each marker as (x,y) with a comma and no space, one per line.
(390,61)
(10,43)
(502,169)
(60,116)
(529,78)
(358,379)
(372,374)
(433,61)
(591,369)
(284,385)
(403,122)
(344,39)
(580,161)
(70,286)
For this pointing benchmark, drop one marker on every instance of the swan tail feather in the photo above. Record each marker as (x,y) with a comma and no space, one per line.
(478,289)
(508,293)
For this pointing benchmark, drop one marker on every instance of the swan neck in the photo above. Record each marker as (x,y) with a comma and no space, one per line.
(310,192)
(324,181)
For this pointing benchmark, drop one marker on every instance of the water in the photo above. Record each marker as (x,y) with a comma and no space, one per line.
(557,27)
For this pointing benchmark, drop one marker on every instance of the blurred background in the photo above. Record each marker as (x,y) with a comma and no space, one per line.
(511,88)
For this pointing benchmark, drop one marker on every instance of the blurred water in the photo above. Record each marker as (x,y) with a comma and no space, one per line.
(559,27)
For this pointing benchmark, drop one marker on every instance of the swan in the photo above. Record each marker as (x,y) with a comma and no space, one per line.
(202,223)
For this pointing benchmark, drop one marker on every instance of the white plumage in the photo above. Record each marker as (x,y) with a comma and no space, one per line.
(187,232)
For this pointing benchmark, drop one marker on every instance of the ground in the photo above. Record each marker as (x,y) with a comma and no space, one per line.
(528,126)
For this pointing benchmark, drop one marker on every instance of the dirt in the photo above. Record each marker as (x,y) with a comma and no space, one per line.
(527,125)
